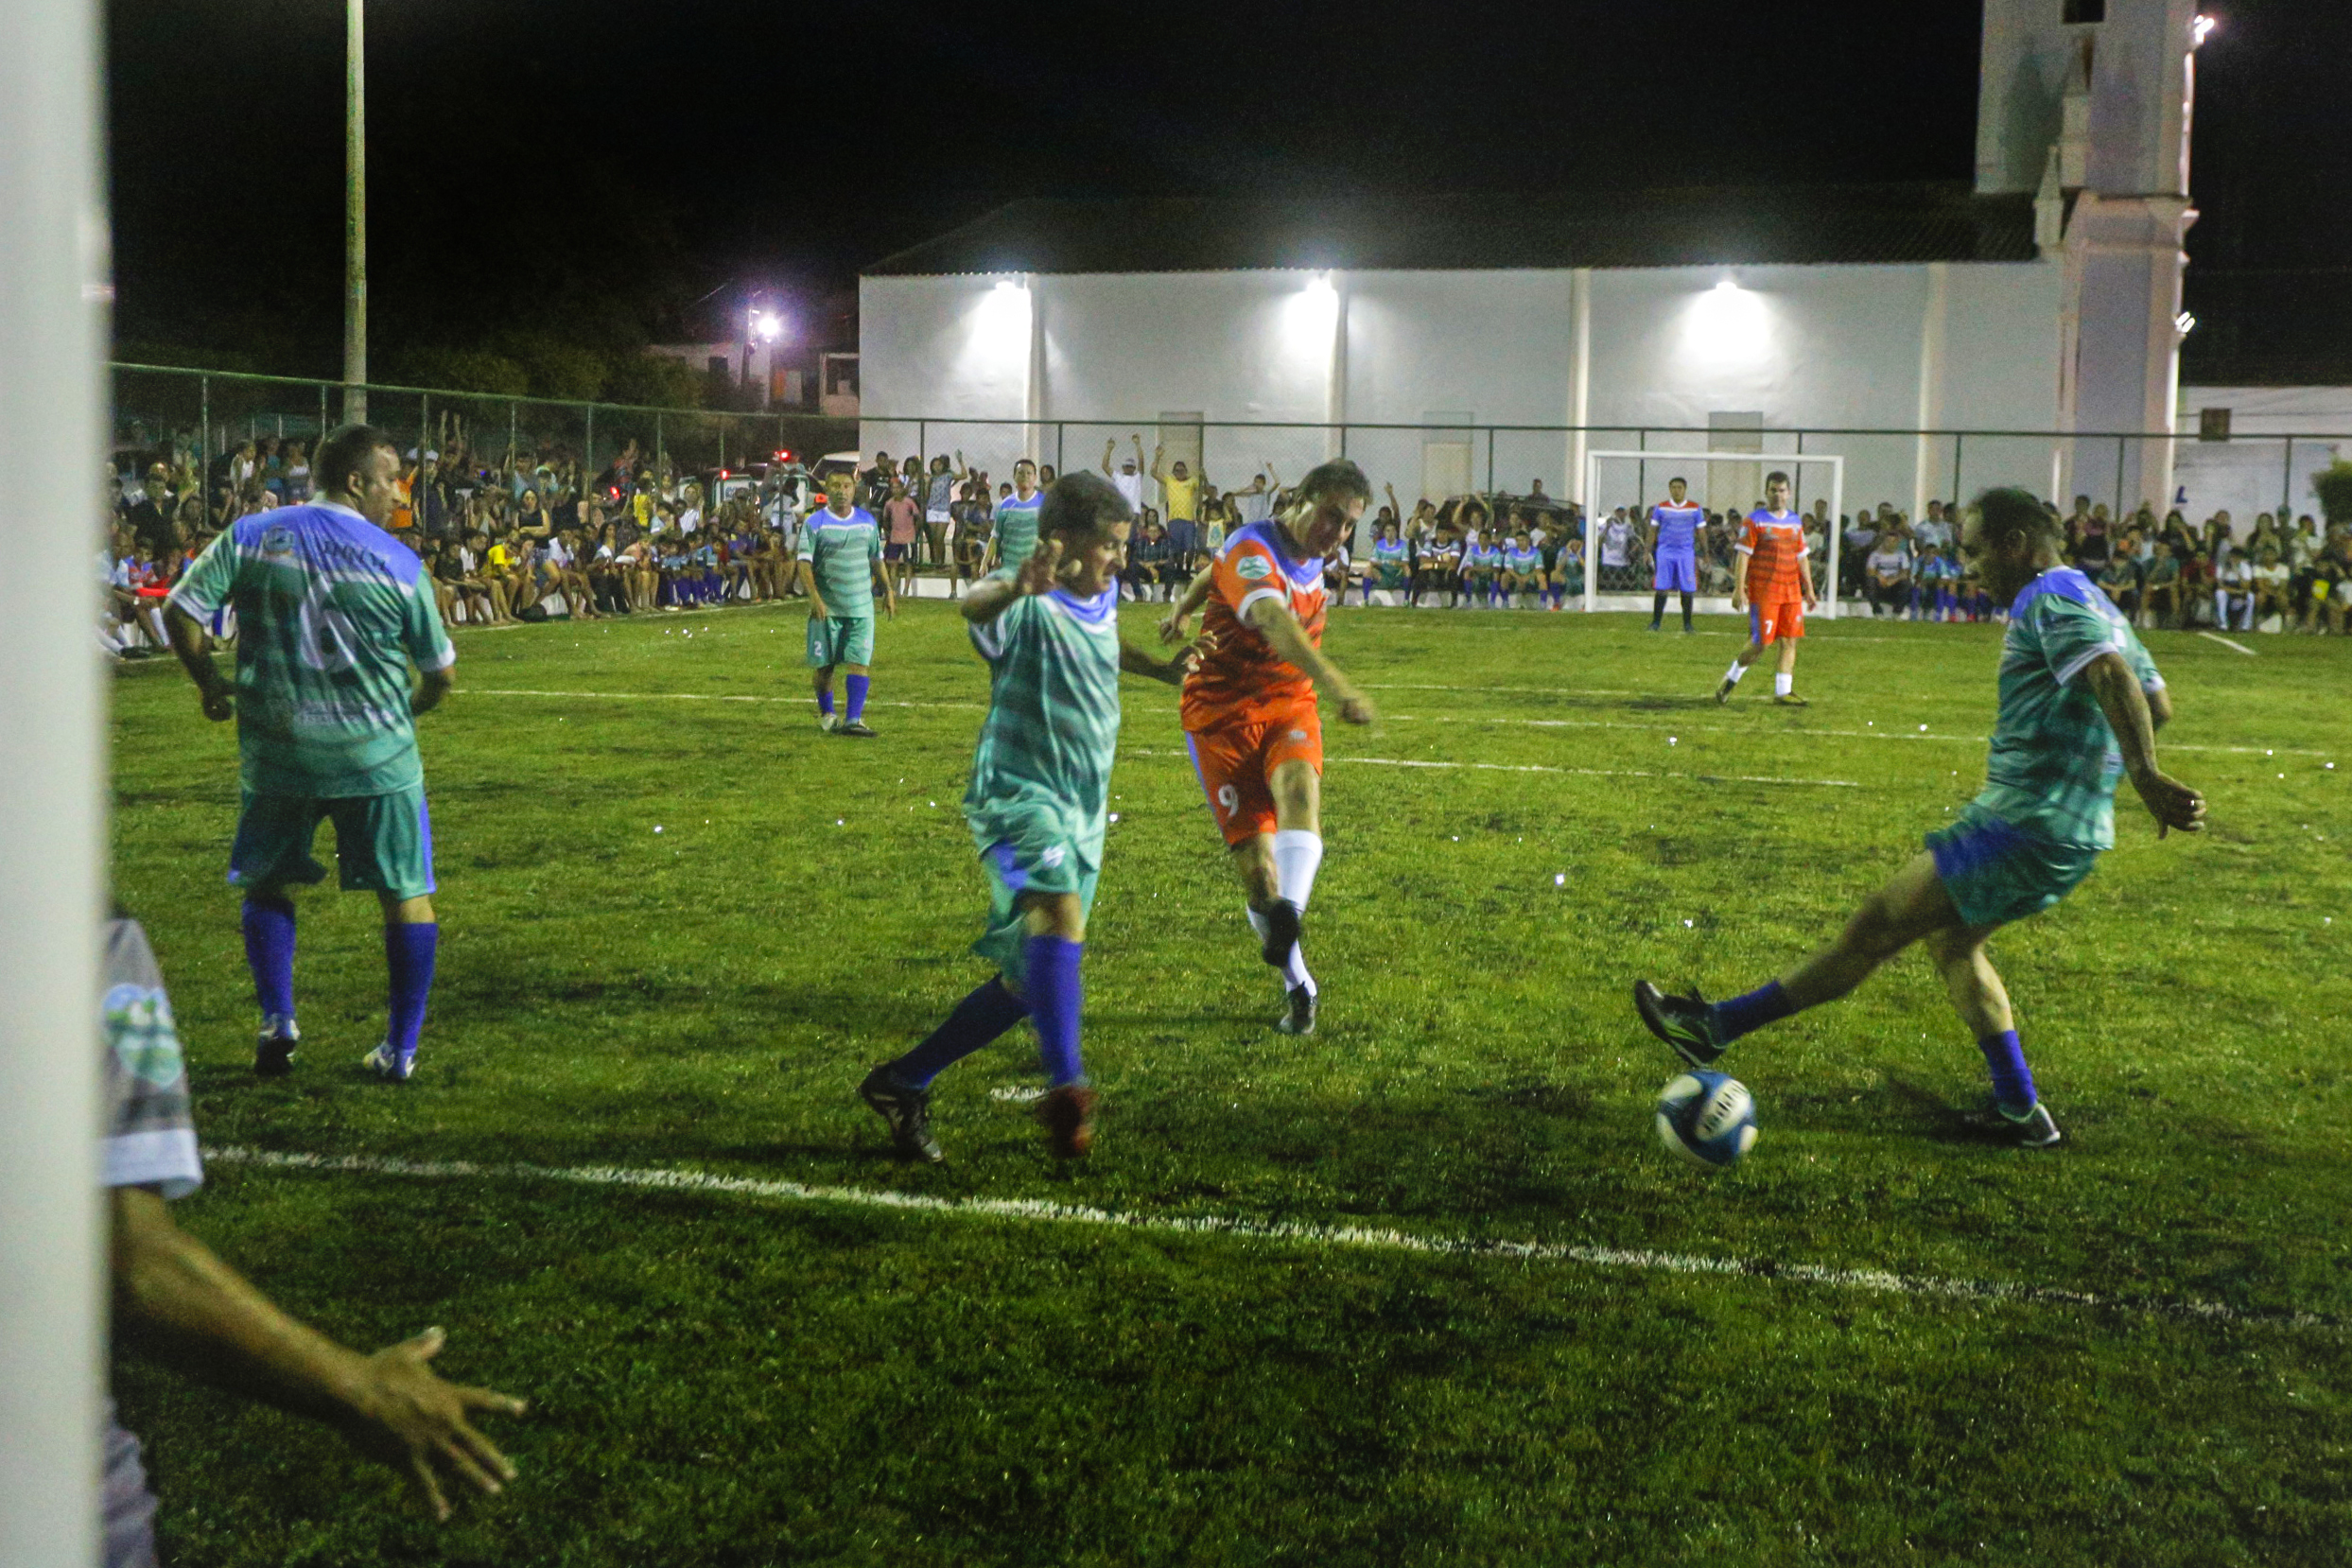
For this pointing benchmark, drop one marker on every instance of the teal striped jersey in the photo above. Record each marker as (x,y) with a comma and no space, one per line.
(330,612)
(1046,748)
(1016,528)
(842,552)
(2054,763)
(1523,562)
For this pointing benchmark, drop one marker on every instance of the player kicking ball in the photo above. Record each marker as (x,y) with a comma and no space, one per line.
(838,572)
(1674,525)
(331,611)
(1049,631)
(2080,704)
(1774,584)
(1249,711)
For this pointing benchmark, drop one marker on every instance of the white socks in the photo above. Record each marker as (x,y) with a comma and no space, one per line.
(1294,966)
(1736,671)
(1783,682)
(1296,855)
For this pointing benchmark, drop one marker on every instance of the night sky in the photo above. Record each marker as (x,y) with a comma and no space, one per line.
(606,170)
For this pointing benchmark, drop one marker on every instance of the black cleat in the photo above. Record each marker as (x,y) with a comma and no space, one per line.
(1686,1023)
(1067,1114)
(273,1051)
(1789,699)
(1284,927)
(1723,693)
(906,1112)
(1300,1019)
(856,729)
(1996,1124)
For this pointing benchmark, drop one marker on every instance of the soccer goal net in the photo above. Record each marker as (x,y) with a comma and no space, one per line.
(1620,488)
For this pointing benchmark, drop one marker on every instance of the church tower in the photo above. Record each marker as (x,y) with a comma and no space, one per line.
(2087,103)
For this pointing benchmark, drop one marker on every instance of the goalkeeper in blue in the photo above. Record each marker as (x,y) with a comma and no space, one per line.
(2080,706)
(1048,630)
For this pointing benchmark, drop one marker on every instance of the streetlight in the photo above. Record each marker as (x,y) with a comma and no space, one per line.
(354,213)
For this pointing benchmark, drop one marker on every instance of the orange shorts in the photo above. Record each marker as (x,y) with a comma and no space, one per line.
(1235,762)
(1775,622)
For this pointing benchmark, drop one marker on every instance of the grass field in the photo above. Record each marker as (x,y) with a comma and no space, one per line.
(1549,808)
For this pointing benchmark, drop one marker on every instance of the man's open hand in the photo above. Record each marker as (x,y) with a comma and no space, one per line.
(1042,571)
(2172,803)
(407,1417)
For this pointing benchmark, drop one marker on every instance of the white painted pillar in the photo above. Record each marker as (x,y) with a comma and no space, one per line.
(53,285)
(1035,441)
(1929,416)
(1580,385)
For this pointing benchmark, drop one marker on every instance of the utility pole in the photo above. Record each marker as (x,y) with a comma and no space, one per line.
(355,212)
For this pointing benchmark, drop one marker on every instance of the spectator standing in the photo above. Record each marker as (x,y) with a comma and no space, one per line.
(1179,493)
(900,524)
(1128,481)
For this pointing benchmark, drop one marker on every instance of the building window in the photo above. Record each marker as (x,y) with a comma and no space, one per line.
(2080,12)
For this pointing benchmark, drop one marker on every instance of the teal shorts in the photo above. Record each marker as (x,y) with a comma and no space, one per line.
(1033,864)
(1997,872)
(383,843)
(840,639)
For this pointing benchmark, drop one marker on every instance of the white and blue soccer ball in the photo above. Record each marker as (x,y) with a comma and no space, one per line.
(1708,1119)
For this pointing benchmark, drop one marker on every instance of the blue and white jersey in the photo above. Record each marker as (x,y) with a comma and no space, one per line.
(1678,527)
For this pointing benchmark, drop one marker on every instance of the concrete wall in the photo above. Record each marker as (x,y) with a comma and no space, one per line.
(2255,469)
(1077,360)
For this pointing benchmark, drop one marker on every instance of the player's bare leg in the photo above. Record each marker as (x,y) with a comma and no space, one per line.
(1912,906)
(1276,871)
(1785,676)
(1747,656)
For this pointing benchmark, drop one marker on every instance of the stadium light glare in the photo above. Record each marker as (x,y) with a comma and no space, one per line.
(1727,326)
(766,326)
(2202,29)
(2185,324)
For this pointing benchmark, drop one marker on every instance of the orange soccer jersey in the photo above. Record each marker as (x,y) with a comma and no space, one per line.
(1238,678)
(1774,545)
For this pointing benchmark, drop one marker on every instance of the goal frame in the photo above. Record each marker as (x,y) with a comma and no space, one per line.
(1833,461)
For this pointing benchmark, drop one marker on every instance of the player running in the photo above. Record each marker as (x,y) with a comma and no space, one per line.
(1040,777)
(331,610)
(840,561)
(1017,520)
(1674,525)
(2080,704)
(1249,711)
(1773,583)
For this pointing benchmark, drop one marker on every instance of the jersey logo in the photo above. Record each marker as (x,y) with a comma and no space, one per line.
(1253,567)
(278,543)
(1050,856)
(139,1017)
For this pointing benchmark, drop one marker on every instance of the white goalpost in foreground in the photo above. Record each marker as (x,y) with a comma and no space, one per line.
(1762,462)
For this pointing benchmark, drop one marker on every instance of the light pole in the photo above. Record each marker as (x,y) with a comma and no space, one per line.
(355,212)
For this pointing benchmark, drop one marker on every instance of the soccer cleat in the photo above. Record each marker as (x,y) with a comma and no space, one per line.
(906,1112)
(2033,1130)
(1653,626)
(1789,699)
(273,1050)
(856,728)
(1686,1023)
(828,723)
(389,1065)
(1723,693)
(1284,926)
(1300,1019)
(1067,1113)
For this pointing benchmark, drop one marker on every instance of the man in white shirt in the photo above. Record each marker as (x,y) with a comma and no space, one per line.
(1128,482)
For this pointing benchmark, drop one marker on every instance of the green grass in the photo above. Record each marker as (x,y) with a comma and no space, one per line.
(731,1380)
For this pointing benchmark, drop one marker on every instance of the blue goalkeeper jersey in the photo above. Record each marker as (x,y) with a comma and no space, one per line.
(1678,527)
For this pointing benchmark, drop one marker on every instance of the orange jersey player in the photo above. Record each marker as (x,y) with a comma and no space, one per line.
(1249,711)
(1773,583)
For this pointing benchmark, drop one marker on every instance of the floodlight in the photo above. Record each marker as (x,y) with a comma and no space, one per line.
(2202,29)
(2185,324)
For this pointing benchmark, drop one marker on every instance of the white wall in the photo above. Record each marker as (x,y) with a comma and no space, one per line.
(1804,346)
(2253,470)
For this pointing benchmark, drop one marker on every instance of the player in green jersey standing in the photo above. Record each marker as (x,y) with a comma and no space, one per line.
(1017,520)
(331,611)
(841,555)
(1041,781)
(2080,704)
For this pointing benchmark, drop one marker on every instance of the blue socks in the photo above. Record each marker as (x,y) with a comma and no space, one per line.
(980,1018)
(857,698)
(408,955)
(270,953)
(2013,1081)
(825,701)
(1053,1000)
(1745,1015)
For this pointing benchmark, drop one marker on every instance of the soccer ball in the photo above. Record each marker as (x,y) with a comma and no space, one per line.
(1708,1119)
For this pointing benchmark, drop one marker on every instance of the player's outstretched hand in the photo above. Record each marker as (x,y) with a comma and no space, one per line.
(1176,626)
(218,701)
(2172,803)
(407,1417)
(1039,572)
(1357,710)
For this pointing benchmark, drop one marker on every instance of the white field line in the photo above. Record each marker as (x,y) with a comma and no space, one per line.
(2240,647)
(1538,767)
(1876,1282)
(1403,719)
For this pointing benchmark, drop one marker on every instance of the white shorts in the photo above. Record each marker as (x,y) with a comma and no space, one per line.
(937,518)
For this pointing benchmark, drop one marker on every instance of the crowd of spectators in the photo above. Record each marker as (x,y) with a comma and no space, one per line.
(528,534)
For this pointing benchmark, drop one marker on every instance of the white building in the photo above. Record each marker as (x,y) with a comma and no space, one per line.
(2039,302)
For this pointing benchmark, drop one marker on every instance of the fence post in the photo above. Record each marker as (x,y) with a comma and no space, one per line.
(922,442)
(2286,496)
(1960,444)
(322,410)
(424,427)
(1490,460)
(1060,465)
(587,456)
(204,442)
(512,424)
(657,446)
(2117,516)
